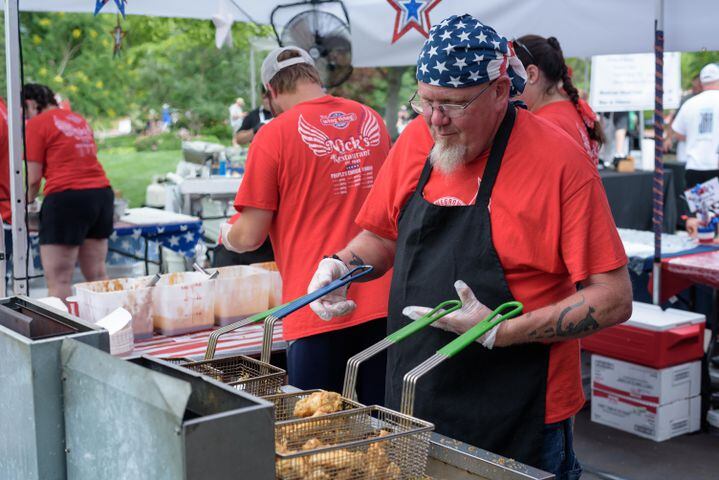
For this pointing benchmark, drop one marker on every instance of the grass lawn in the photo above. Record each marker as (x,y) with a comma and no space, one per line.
(130,172)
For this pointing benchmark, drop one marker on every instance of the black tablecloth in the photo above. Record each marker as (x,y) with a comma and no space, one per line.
(678,169)
(630,198)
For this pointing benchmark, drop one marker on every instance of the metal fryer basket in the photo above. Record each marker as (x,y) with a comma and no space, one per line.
(365,443)
(285,404)
(244,373)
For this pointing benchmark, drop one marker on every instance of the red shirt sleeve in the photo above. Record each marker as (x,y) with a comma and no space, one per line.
(590,242)
(35,141)
(396,181)
(260,184)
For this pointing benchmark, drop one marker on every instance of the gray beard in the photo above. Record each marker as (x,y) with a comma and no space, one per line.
(446,157)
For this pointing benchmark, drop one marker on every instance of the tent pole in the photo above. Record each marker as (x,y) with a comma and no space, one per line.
(253,81)
(658,184)
(15,128)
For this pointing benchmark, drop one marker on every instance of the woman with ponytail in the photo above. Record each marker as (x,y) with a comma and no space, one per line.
(77,211)
(550,93)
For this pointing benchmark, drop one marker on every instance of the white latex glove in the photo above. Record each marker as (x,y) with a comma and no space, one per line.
(224,235)
(471,313)
(334,304)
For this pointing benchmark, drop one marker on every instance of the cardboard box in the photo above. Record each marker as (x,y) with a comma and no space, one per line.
(655,422)
(655,386)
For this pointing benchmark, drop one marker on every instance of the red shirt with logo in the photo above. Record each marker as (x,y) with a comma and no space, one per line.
(565,115)
(5,210)
(551,223)
(314,165)
(65,145)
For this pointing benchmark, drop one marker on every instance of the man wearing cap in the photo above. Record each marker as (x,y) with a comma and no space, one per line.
(697,124)
(307,175)
(485,201)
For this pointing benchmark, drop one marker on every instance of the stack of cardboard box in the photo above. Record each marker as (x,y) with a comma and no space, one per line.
(646,373)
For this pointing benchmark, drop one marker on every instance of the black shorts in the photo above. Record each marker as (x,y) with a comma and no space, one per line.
(69,217)
(621,120)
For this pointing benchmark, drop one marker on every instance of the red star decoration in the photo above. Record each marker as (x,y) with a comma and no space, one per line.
(400,30)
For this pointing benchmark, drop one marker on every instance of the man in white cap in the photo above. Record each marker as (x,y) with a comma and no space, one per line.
(483,200)
(697,124)
(307,175)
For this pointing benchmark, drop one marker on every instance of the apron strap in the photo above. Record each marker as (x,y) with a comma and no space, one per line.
(499,145)
(424,177)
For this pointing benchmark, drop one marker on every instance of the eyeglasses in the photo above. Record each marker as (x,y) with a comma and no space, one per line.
(449,110)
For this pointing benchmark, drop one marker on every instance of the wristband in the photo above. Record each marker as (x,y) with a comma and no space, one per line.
(335,257)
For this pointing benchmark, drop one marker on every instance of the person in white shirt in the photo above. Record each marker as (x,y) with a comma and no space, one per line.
(237,114)
(697,124)
(696,89)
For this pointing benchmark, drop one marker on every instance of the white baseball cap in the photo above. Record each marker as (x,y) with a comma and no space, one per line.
(270,66)
(709,74)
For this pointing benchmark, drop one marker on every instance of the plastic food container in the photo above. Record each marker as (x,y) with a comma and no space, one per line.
(240,291)
(96,300)
(275,283)
(652,337)
(183,302)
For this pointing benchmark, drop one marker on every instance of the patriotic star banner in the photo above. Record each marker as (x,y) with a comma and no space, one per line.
(120,4)
(392,32)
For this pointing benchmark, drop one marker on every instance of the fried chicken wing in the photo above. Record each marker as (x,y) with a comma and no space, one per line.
(312,444)
(318,403)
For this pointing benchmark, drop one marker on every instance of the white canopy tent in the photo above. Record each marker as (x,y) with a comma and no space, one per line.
(584,27)
(390,33)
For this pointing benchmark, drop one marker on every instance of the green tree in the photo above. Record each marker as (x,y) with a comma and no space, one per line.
(163,60)
(72,54)
(384,89)
(177,63)
(692,63)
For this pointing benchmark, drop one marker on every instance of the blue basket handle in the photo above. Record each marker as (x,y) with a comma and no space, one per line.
(348,277)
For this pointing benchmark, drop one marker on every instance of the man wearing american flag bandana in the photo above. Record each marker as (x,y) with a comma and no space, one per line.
(482,200)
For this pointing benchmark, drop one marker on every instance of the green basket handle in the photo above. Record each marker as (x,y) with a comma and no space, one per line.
(497,316)
(438,312)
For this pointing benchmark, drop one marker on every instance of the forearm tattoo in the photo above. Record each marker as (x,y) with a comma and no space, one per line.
(356,260)
(588,323)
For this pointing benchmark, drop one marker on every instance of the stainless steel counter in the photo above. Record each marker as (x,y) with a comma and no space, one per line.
(454,460)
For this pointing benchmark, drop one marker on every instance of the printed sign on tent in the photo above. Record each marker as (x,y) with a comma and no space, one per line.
(623,83)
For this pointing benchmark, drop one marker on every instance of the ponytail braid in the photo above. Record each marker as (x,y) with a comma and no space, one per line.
(594,130)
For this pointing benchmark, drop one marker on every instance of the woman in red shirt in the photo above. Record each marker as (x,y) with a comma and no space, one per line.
(549,92)
(76,214)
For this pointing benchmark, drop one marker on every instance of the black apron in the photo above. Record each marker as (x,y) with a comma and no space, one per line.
(492,399)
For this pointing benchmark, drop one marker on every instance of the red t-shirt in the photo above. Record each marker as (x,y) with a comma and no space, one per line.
(565,115)
(551,224)
(5,210)
(313,166)
(64,143)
